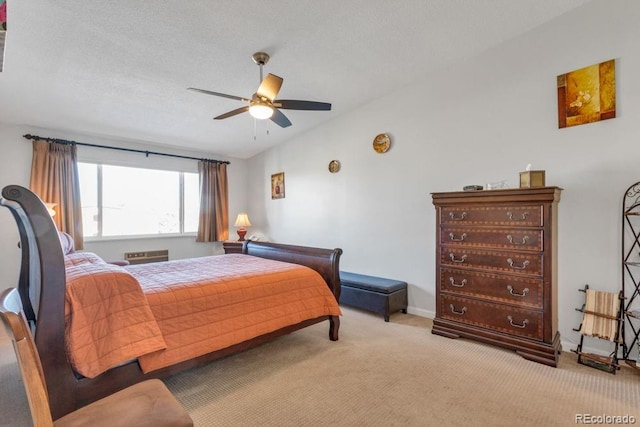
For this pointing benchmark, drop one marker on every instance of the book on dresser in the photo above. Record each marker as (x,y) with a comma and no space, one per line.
(496,269)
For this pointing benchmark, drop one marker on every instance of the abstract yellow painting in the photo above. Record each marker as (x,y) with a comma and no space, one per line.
(587,95)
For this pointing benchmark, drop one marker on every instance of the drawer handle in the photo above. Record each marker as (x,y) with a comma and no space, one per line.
(462,259)
(454,239)
(525,263)
(525,322)
(524,240)
(457,285)
(462,216)
(459,313)
(525,291)
(524,216)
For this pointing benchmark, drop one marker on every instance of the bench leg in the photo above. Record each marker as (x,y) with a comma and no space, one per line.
(386,316)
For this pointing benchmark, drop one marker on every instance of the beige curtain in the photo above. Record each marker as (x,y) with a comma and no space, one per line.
(214,202)
(54,178)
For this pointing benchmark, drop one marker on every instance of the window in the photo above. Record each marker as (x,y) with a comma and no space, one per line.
(126,201)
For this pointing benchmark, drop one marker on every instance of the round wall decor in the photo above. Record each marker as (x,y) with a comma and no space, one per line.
(334,166)
(381,143)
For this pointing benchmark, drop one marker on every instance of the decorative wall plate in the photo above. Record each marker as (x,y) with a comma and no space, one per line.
(334,166)
(381,143)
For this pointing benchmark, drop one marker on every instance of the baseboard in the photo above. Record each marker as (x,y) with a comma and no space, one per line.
(421,312)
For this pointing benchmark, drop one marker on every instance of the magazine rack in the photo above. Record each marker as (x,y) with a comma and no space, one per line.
(602,320)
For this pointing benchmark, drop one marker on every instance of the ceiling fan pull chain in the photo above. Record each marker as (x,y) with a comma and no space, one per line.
(255,121)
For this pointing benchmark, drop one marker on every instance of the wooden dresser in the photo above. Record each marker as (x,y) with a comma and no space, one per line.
(496,269)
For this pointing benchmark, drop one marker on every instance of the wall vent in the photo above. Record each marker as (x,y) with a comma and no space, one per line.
(145,257)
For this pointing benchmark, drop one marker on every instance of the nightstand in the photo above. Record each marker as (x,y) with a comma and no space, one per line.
(233,247)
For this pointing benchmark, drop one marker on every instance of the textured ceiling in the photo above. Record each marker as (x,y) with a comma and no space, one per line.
(121,68)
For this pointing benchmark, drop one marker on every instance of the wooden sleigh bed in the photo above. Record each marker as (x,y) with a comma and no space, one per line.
(43,289)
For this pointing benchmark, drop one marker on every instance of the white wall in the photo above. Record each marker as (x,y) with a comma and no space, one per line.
(15,164)
(480,121)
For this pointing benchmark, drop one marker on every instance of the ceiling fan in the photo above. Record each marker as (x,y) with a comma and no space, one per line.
(263,104)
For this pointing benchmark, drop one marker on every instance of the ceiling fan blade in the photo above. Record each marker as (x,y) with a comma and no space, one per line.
(292,104)
(224,95)
(232,113)
(280,119)
(270,87)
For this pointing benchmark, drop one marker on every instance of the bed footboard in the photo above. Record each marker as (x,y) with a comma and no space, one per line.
(324,261)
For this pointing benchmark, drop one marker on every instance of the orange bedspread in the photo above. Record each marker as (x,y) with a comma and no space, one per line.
(108,319)
(206,304)
(166,313)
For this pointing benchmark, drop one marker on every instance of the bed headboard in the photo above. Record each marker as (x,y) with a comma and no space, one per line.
(42,259)
(42,290)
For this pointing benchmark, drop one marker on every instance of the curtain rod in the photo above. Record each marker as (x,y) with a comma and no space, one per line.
(131,150)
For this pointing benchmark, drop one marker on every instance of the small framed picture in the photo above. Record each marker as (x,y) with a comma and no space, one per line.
(277,185)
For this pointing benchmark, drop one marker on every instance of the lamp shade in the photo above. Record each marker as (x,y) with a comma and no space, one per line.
(242,220)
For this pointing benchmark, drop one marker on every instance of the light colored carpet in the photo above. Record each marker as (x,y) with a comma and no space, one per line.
(385,374)
(397,373)
(14,408)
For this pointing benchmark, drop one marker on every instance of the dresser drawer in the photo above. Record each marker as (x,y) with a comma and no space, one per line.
(503,318)
(517,290)
(517,216)
(506,262)
(516,239)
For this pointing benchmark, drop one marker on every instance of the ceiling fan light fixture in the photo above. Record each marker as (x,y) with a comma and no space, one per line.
(261,111)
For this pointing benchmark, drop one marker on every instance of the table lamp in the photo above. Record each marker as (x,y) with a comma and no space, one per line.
(242,221)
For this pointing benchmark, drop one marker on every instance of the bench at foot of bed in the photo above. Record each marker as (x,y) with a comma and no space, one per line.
(375,294)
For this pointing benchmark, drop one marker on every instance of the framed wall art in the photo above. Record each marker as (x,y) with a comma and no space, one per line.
(381,143)
(334,166)
(587,95)
(277,185)
(3,15)
(3,30)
